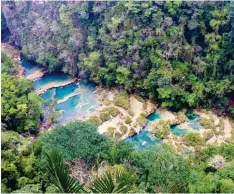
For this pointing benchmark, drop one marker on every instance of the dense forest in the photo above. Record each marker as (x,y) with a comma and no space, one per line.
(179,54)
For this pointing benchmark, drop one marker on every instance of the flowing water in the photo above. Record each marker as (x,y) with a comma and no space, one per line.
(145,139)
(78,99)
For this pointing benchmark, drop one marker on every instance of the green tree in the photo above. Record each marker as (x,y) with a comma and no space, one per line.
(75,140)
(21,107)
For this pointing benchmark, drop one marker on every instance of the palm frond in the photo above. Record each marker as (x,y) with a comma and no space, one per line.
(58,174)
(118,180)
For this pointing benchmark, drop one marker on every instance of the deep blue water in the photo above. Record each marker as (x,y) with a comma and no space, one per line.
(145,135)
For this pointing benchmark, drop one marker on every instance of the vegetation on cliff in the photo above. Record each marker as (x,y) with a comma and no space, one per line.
(178,53)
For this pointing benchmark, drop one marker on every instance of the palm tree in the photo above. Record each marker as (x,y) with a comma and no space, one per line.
(58,174)
(114,180)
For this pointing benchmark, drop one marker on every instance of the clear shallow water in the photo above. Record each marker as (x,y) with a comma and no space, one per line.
(145,139)
(29,67)
(49,78)
(83,102)
(79,105)
(192,120)
(178,131)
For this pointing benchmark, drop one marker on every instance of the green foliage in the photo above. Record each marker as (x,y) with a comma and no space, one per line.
(113,111)
(18,162)
(176,52)
(122,100)
(140,99)
(104,116)
(21,107)
(128,120)
(141,120)
(123,129)
(207,123)
(162,129)
(95,120)
(193,139)
(122,75)
(226,186)
(58,174)
(8,65)
(117,179)
(119,152)
(165,171)
(74,140)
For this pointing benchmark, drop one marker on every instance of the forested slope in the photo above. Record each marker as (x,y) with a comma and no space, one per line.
(178,53)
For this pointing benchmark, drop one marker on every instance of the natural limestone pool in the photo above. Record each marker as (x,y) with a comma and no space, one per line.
(145,139)
(29,67)
(73,100)
(78,99)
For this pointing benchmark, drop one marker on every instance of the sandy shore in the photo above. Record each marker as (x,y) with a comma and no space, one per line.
(37,74)
(54,85)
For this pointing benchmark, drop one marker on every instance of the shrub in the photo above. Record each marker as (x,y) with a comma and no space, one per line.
(141,121)
(95,120)
(122,100)
(130,112)
(226,186)
(110,131)
(123,129)
(181,117)
(76,140)
(162,129)
(118,135)
(140,99)
(113,111)
(128,120)
(131,132)
(107,102)
(208,135)
(193,139)
(104,116)
(207,123)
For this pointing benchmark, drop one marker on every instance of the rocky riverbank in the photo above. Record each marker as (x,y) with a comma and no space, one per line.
(14,54)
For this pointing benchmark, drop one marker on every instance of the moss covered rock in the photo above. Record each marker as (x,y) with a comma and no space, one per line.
(95,120)
(207,123)
(141,121)
(128,120)
(122,100)
(162,129)
(104,116)
(193,139)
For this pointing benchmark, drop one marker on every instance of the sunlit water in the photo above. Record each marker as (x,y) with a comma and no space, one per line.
(83,101)
(145,139)
(50,78)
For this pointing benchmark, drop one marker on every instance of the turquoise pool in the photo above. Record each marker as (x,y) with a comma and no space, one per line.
(145,139)
(178,131)
(49,78)
(29,67)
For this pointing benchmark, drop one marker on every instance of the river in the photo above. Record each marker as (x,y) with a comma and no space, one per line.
(78,99)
